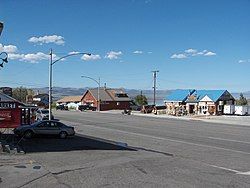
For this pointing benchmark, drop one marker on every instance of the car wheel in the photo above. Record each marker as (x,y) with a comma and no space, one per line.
(63,134)
(28,134)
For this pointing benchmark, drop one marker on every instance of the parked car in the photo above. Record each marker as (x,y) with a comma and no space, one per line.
(46,127)
(86,107)
(134,106)
(43,114)
(62,107)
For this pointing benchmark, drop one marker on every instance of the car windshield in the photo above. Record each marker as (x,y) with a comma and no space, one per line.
(45,111)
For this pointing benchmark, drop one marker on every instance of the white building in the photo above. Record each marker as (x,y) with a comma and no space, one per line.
(70,101)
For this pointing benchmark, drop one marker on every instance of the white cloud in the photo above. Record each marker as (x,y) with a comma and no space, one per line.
(8,48)
(198,53)
(178,56)
(244,61)
(15,56)
(138,52)
(31,57)
(209,54)
(150,52)
(59,40)
(74,52)
(113,55)
(191,51)
(91,57)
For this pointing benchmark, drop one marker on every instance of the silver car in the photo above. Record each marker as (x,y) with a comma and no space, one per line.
(45,128)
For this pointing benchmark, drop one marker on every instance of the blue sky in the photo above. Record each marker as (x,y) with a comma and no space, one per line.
(194,44)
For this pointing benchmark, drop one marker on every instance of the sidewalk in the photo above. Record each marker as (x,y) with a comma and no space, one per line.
(233,120)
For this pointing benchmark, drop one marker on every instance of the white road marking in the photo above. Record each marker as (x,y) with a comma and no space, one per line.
(244,173)
(167,139)
(229,140)
(232,170)
(227,169)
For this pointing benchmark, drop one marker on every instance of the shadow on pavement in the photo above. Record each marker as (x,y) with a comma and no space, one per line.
(78,142)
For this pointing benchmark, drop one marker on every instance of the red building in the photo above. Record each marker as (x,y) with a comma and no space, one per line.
(14,113)
(110,99)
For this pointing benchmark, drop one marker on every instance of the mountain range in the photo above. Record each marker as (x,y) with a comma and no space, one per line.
(59,92)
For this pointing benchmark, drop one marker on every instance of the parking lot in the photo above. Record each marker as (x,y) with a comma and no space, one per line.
(113,150)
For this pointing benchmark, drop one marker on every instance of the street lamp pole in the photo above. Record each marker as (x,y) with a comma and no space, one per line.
(50,82)
(51,63)
(98,90)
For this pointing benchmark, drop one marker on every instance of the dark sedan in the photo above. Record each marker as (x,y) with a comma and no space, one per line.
(45,128)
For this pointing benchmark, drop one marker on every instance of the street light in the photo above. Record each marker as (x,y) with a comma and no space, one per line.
(4,59)
(98,90)
(51,63)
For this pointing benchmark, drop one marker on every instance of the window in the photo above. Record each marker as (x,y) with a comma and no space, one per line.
(41,125)
(220,107)
(120,95)
(53,124)
(46,124)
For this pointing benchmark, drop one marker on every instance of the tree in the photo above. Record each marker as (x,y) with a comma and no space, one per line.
(141,100)
(20,93)
(242,100)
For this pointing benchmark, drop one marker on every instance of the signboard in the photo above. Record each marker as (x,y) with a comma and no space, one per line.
(5,115)
(4,105)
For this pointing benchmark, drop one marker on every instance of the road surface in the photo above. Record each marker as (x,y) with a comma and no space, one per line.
(158,153)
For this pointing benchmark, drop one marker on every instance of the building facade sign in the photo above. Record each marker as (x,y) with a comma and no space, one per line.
(4,105)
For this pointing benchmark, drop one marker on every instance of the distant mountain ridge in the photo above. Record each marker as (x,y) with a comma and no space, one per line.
(59,92)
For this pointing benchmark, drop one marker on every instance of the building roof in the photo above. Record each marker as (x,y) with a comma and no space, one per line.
(70,99)
(41,95)
(103,95)
(7,98)
(214,95)
(191,95)
(108,94)
(179,95)
(118,95)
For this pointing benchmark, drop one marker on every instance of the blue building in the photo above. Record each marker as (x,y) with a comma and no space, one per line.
(200,102)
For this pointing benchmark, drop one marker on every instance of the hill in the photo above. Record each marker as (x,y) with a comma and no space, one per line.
(59,92)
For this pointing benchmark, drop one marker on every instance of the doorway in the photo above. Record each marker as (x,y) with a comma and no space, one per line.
(191,109)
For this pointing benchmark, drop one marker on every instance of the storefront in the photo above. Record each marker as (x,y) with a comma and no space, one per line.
(14,113)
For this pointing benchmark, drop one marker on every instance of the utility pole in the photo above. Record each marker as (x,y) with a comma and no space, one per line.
(154,87)
(50,81)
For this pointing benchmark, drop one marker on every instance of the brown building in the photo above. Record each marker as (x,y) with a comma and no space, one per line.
(110,99)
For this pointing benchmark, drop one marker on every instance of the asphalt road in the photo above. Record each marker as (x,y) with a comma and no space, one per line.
(159,153)
(204,154)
